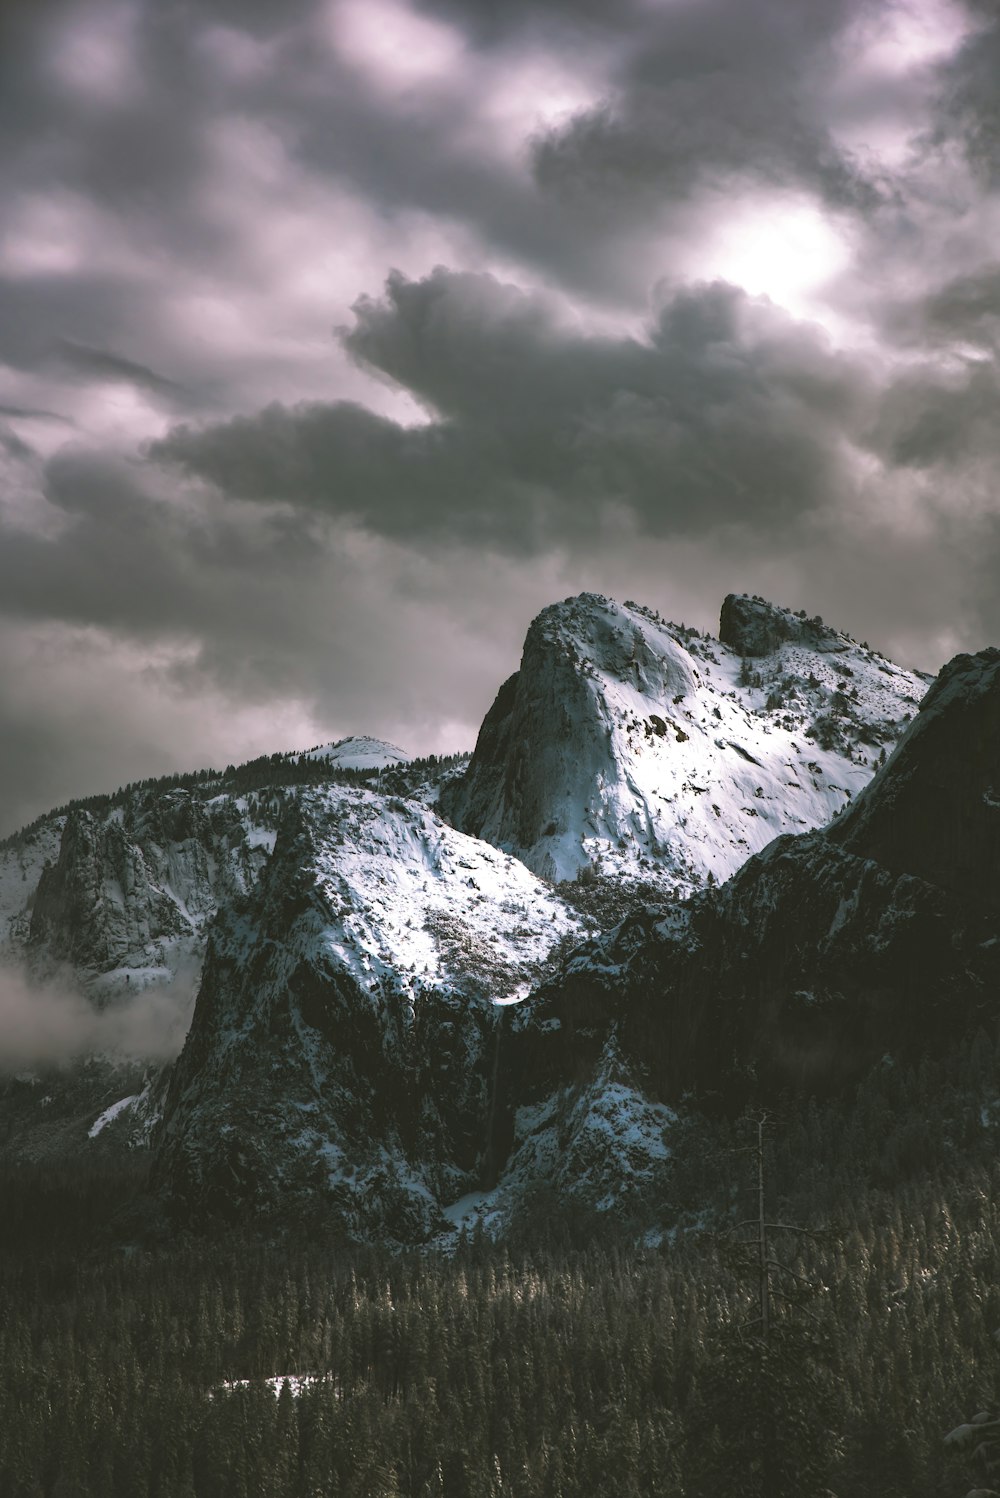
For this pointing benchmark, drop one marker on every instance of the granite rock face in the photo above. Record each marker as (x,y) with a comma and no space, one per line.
(936,814)
(753,627)
(128,895)
(100,904)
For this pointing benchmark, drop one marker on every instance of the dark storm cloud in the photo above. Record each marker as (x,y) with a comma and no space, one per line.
(714,95)
(489,23)
(115,138)
(693,99)
(127,559)
(969,99)
(64,328)
(729,413)
(963,309)
(944,420)
(258,601)
(689,98)
(695,96)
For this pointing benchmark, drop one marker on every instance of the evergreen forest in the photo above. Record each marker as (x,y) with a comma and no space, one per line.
(576,1356)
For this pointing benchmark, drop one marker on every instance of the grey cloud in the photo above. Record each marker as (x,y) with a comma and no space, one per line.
(37,310)
(27,413)
(14,446)
(730,413)
(117,145)
(703,94)
(697,98)
(259,17)
(663,142)
(128,559)
(966,307)
(490,24)
(102,364)
(64,328)
(940,419)
(969,103)
(713,95)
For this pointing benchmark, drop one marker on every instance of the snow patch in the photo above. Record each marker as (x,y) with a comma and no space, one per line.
(359,753)
(110,1114)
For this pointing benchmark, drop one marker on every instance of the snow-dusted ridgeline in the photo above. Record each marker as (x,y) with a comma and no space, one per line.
(645,750)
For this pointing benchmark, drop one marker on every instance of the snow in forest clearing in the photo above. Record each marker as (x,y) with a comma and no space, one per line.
(297,1383)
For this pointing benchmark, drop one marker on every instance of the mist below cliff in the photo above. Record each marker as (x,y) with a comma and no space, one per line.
(52,1022)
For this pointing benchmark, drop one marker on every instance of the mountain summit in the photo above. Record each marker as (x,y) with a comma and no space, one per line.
(640,748)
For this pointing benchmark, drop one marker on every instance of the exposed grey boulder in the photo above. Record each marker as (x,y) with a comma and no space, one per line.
(753,627)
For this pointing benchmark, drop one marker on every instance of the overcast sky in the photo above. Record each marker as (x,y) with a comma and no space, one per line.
(338,337)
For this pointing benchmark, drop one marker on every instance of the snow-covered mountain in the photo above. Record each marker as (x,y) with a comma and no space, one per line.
(641,749)
(399,1116)
(362,1040)
(121,887)
(107,903)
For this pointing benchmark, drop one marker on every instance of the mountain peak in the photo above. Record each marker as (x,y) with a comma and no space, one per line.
(631,745)
(359,752)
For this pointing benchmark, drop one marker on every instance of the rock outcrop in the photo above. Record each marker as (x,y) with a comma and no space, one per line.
(753,627)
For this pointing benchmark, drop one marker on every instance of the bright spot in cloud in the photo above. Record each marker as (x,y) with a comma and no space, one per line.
(911,34)
(530,93)
(119,413)
(391,43)
(782,249)
(94,52)
(40,236)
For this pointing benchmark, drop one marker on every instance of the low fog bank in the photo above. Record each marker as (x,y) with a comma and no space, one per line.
(52,1022)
